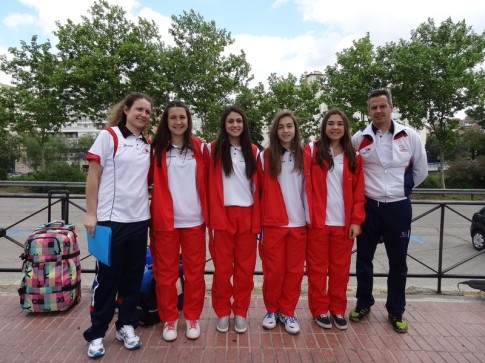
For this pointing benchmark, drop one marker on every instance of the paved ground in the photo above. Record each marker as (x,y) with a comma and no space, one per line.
(442,329)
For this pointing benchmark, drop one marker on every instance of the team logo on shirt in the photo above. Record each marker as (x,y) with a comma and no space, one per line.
(402,148)
(365,150)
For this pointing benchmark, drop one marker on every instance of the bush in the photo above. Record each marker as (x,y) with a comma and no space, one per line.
(432,181)
(59,171)
(466,174)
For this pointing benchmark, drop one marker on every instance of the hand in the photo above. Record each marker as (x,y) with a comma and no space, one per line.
(354,231)
(90,221)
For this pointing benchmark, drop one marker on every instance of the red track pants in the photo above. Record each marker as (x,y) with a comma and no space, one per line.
(233,252)
(165,248)
(282,253)
(328,255)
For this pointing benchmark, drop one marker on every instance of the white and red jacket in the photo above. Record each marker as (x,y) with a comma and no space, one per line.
(161,207)
(409,163)
(273,209)
(217,215)
(352,191)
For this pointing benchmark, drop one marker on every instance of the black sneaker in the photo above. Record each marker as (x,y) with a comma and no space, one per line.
(340,321)
(324,321)
(398,322)
(358,314)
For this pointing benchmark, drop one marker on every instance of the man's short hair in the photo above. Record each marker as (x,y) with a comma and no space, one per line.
(380,92)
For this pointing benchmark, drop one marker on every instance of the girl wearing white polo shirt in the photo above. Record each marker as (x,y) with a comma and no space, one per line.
(117,197)
(283,209)
(179,212)
(234,218)
(336,206)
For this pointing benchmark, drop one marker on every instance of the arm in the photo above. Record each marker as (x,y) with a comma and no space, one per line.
(420,161)
(92,186)
(358,211)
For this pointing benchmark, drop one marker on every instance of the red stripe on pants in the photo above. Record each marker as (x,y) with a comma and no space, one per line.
(328,254)
(165,248)
(234,255)
(282,253)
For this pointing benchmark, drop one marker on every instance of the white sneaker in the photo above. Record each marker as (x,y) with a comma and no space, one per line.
(96,348)
(170,330)
(193,329)
(240,324)
(269,320)
(291,324)
(128,336)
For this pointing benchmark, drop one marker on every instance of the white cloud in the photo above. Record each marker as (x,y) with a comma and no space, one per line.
(15,20)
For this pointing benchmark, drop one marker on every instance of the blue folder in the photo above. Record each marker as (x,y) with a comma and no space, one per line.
(100,245)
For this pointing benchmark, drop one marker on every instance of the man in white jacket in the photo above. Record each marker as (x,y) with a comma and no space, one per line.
(394,163)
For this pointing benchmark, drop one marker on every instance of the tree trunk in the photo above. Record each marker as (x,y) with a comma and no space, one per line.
(442,168)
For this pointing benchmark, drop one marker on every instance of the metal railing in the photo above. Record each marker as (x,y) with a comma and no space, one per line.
(439,272)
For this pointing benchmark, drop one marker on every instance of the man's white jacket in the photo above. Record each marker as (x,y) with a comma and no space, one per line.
(409,166)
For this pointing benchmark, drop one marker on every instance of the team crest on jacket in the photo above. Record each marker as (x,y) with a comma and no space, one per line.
(402,148)
(365,150)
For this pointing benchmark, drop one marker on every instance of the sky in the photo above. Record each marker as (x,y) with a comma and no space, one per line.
(277,36)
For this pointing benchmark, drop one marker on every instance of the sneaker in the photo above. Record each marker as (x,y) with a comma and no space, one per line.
(340,321)
(323,320)
(240,324)
(128,336)
(358,314)
(96,348)
(193,329)
(223,324)
(269,320)
(398,322)
(291,324)
(170,330)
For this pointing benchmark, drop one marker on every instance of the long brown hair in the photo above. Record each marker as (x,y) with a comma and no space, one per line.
(323,144)
(163,138)
(274,147)
(117,115)
(223,146)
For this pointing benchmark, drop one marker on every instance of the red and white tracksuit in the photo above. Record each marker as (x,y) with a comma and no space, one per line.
(167,241)
(283,247)
(329,248)
(232,243)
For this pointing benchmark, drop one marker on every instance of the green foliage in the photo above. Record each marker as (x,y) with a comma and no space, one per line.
(59,171)
(346,84)
(107,56)
(466,174)
(37,101)
(57,148)
(432,181)
(199,70)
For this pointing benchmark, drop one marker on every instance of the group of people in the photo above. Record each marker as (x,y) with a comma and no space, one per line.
(298,205)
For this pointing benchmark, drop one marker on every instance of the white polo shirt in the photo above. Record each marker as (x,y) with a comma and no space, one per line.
(123,189)
(335,214)
(237,187)
(292,187)
(182,175)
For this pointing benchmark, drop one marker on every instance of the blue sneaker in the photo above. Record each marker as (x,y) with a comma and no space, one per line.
(291,323)
(269,320)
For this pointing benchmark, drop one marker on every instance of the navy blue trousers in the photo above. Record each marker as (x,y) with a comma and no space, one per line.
(390,222)
(121,281)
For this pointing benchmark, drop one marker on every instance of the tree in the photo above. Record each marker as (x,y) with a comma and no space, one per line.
(36,103)
(254,102)
(303,98)
(107,56)
(347,83)
(434,75)
(199,71)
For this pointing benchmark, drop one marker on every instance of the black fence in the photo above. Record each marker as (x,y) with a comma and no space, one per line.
(446,214)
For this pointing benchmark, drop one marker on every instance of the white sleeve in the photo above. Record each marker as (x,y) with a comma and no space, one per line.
(103,147)
(420,160)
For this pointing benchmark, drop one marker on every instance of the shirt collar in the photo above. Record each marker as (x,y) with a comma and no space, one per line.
(126,132)
(375,129)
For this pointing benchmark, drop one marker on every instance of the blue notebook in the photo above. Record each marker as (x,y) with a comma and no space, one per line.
(100,245)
